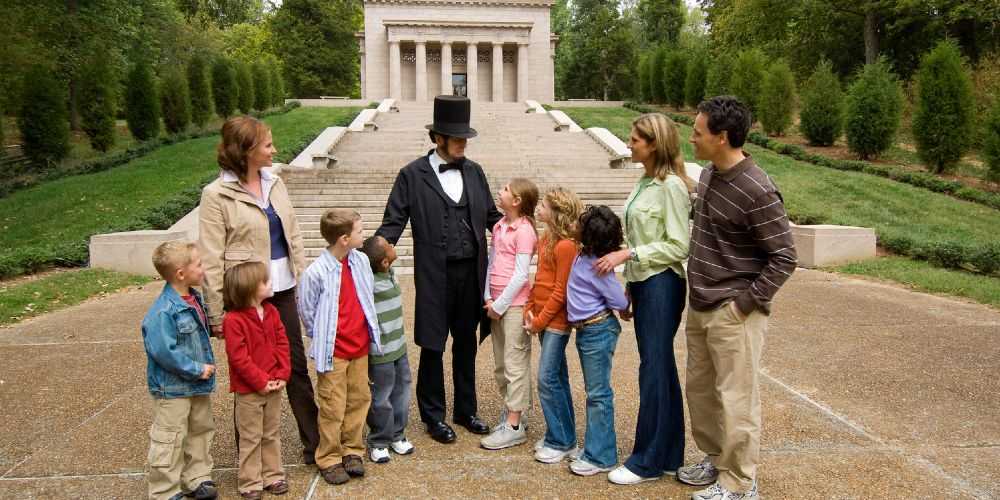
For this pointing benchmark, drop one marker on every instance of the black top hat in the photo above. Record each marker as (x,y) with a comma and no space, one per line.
(451,116)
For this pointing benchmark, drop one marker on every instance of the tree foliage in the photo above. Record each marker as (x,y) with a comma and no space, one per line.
(720,72)
(645,61)
(674,78)
(225,89)
(176,101)
(277,85)
(661,21)
(97,102)
(222,13)
(874,106)
(943,121)
(657,65)
(44,120)
(821,119)
(318,47)
(991,146)
(200,87)
(142,102)
(777,98)
(694,85)
(600,57)
(245,83)
(262,97)
(747,79)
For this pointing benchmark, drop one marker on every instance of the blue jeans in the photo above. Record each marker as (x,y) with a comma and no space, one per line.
(596,345)
(554,394)
(390,408)
(658,303)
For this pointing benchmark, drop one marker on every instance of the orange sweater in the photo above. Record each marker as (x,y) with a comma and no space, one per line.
(548,296)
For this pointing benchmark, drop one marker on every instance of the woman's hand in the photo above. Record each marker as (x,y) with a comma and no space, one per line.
(609,262)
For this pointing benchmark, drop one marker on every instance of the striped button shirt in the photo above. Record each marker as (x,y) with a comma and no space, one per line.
(389,306)
(319,300)
(741,246)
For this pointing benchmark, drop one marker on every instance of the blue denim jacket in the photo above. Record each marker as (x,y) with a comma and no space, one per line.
(177,347)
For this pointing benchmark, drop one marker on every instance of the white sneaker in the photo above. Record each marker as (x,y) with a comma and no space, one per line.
(622,475)
(698,474)
(504,437)
(548,455)
(582,467)
(402,447)
(540,443)
(378,455)
(718,492)
(500,421)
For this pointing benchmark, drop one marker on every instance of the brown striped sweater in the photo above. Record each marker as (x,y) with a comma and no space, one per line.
(741,245)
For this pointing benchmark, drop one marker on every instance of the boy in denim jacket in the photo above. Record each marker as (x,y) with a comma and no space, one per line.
(180,372)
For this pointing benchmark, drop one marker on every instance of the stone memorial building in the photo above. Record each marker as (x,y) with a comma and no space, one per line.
(488,50)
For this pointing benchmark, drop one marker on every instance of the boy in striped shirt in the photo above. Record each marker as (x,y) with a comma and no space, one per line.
(389,372)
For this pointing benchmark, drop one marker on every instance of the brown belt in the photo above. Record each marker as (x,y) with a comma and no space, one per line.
(597,318)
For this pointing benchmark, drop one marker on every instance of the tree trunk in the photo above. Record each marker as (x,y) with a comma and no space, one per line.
(871,37)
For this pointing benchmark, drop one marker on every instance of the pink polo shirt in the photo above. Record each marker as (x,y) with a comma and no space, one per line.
(508,241)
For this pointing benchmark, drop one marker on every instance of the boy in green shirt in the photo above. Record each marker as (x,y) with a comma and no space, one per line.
(390,372)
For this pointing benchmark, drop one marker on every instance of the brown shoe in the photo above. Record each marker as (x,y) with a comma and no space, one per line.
(335,474)
(279,487)
(252,495)
(354,465)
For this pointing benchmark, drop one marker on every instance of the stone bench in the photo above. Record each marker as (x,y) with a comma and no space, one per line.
(533,107)
(335,97)
(827,245)
(387,105)
(564,122)
(364,121)
(130,252)
(317,153)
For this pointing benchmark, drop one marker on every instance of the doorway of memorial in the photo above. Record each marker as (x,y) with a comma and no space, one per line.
(459,84)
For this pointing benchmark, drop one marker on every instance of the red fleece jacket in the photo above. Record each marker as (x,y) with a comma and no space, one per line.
(257,349)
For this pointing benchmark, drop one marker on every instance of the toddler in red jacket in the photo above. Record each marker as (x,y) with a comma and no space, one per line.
(259,367)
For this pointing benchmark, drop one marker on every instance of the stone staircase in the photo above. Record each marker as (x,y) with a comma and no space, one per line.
(511,143)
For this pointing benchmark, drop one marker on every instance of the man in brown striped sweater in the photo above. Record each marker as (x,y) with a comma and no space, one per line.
(741,254)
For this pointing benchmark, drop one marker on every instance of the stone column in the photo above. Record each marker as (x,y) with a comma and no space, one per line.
(497,62)
(421,71)
(472,70)
(446,87)
(395,73)
(522,72)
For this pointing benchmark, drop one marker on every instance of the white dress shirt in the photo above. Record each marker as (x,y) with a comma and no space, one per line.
(451,181)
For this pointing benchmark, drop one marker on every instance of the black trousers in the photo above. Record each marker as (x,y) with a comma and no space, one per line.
(464,304)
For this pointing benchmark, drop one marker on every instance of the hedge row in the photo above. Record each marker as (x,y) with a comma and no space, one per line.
(10,185)
(983,259)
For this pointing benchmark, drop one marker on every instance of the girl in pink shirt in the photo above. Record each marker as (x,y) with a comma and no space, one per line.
(507,291)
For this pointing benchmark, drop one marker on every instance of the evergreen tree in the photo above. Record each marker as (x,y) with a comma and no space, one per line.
(991,146)
(657,89)
(142,102)
(318,47)
(661,20)
(244,80)
(44,117)
(777,98)
(821,118)
(694,86)
(674,77)
(747,79)
(717,80)
(277,85)
(644,63)
(97,102)
(943,121)
(874,105)
(200,87)
(261,86)
(176,101)
(225,90)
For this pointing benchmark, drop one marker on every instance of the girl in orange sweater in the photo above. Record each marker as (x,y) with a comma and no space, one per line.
(545,314)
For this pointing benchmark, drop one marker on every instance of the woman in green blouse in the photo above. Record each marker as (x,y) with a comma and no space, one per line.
(657,234)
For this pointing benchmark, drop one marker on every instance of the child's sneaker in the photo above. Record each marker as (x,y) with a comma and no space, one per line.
(540,443)
(504,437)
(718,492)
(378,455)
(582,467)
(548,455)
(402,447)
(698,474)
(622,475)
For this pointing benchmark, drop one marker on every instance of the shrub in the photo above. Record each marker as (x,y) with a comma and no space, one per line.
(777,98)
(176,101)
(97,102)
(225,91)
(874,104)
(244,80)
(200,88)
(747,79)
(644,63)
(656,89)
(3,150)
(277,85)
(261,86)
(674,76)
(991,147)
(694,85)
(142,103)
(821,118)
(943,121)
(44,117)
(719,74)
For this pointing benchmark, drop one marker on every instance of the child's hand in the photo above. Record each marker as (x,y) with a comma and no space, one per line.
(529,318)
(489,310)
(279,384)
(207,372)
(626,314)
(267,388)
(217,331)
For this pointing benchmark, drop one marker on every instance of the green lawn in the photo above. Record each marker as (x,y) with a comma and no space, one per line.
(71,209)
(925,277)
(63,289)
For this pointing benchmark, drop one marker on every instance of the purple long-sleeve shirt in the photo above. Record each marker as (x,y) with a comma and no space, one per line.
(588,294)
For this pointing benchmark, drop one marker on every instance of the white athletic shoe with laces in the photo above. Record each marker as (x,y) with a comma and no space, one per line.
(622,475)
(699,474)
(548,455)
(378,455)
(718,492)
(402,447)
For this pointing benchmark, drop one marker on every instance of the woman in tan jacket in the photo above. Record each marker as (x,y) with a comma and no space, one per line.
(246,215)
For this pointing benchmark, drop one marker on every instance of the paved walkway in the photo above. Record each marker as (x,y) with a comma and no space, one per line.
(870,391)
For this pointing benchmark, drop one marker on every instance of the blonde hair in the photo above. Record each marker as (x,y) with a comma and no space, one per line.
(527,191)
(170,256)
(240,283)
(337,222)
(661,132)
(565,208)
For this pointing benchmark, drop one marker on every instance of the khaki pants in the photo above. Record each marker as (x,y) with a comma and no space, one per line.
(179,442)
(343,397)
(258,420)
(512,359)
(723,394)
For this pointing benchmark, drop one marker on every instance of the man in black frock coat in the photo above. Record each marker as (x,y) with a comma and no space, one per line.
(447,201)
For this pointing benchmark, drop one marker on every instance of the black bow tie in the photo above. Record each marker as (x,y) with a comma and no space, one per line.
(444,167)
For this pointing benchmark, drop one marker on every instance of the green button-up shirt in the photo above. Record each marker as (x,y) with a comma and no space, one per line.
(657,227)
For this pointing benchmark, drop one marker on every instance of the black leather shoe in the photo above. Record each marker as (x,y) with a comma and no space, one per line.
(441,432)
(205,491)
(474,425)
